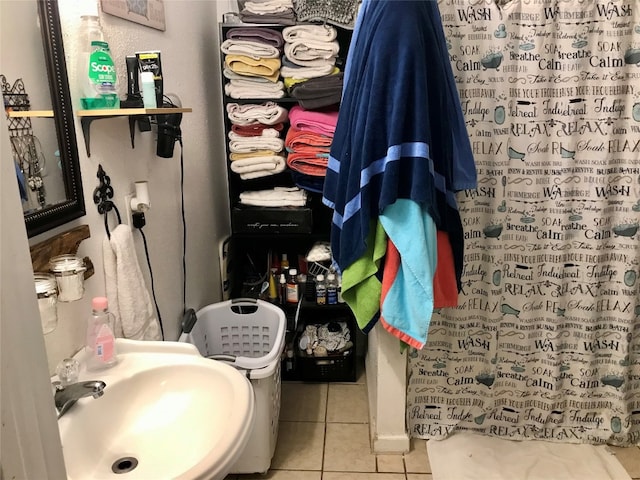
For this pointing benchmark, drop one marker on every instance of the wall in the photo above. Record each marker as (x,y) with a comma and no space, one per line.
(29,441)
(190,63)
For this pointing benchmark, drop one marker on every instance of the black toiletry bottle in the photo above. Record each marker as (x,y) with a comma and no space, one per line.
(134,98)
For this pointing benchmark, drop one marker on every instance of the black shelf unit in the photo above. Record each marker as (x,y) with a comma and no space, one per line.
(250,247)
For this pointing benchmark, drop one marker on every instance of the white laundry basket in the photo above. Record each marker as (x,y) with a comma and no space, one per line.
(249,335)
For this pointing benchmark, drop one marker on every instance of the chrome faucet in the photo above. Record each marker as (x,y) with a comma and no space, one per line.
(66,396)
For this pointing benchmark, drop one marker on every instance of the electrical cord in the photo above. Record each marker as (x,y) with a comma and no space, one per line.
(174,101)
(184,229)
(153,290)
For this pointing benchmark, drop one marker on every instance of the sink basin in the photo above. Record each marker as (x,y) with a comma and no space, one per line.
(166,413)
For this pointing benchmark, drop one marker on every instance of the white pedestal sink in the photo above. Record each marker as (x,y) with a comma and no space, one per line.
(166,413)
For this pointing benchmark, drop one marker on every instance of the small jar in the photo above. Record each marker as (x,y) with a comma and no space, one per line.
(47,292)
(69,272)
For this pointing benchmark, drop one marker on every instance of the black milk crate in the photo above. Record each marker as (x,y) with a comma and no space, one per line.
(271,219)
(335,367)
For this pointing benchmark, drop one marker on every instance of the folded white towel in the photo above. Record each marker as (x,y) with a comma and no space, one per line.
(324,33)
(248,82)
(255,50)
(300,73)
(267,133)
(269,113)
(274,203)
(268,7)
(252,144)
(258,153)
(129,298)
(311,53)
(240,91)
(275,197)
(231,75)
(257,167)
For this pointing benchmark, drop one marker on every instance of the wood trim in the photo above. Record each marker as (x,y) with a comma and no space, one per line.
(63,243)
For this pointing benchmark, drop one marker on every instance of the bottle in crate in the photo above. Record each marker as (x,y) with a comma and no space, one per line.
(321,290)
(292,286)
(332,289)
(282,289)
(284,263)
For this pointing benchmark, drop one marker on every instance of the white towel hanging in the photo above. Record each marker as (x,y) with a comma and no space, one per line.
(129,298)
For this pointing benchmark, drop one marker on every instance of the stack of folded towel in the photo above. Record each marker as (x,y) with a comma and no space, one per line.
(309,65)
(267,11)
(318,92)
(254,139)
(275,197)
(252,63)
(308,142)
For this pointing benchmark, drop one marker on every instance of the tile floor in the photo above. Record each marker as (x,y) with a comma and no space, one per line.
(324,435)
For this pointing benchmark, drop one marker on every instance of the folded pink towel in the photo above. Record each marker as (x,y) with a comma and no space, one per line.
(319,122)
(298,140)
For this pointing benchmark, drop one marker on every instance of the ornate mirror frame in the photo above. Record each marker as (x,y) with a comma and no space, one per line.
(73,207)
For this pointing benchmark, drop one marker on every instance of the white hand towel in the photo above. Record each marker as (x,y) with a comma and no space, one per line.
(300,73)
(268,113)
(266,133)
(253,144)
(324,33)
(270,6)
(111,284)
(257,167)
(129,298)
(255,50)
(231,75)
(311,53)
(243,89)
(275,197)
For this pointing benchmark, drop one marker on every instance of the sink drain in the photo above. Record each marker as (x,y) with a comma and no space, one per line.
(124,465)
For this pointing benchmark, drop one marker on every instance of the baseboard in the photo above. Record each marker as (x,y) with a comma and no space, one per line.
(397,444)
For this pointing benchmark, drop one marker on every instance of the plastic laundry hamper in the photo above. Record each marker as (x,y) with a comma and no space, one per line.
(249,335)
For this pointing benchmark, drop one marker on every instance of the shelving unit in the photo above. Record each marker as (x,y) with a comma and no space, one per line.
(259,231)
(31,114)
(88,116)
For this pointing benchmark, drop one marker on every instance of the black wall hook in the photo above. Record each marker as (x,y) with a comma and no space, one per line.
(102,196)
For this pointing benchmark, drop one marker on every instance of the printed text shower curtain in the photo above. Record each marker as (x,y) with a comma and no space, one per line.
(545,342)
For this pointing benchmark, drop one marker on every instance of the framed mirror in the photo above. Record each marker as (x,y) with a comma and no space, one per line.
(65,201)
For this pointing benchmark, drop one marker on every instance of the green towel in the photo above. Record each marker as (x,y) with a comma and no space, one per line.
(361,288)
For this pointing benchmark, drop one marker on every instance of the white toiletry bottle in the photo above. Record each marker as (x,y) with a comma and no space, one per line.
(101,343)
(332,289)
(148,90)
(96,75)
(321,290)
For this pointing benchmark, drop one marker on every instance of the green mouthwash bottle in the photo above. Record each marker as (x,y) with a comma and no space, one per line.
(96,74)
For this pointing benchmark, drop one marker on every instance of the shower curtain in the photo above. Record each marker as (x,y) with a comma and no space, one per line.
(545,341)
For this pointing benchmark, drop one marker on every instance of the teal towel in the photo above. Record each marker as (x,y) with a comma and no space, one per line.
(408,305)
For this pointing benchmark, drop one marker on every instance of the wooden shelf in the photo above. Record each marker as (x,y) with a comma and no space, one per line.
(30,113)
(88,116)
(63,243)
(118,112)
